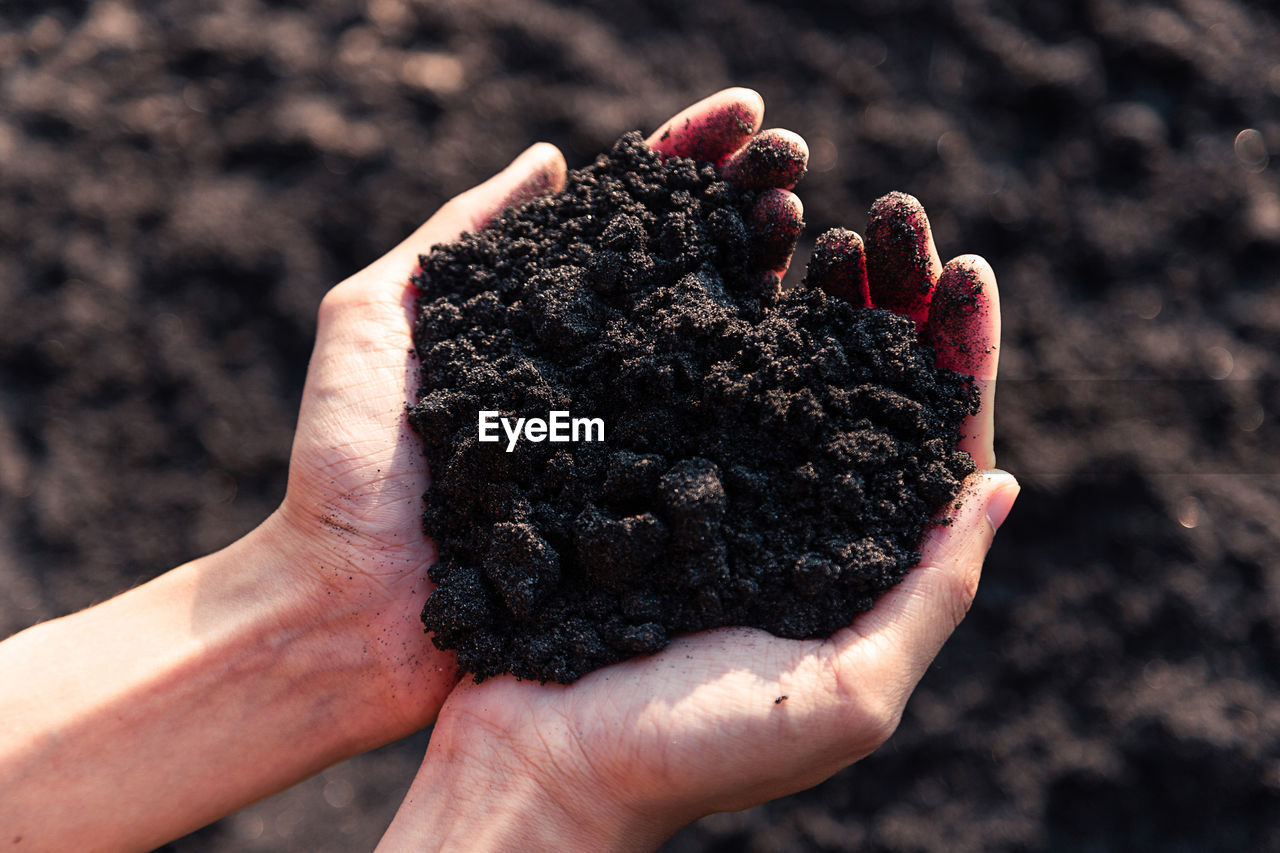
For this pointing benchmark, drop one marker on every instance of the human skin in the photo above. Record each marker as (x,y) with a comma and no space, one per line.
(238,674)
(729,718)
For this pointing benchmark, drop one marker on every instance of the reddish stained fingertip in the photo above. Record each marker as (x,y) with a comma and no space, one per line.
(839,267)
(773,158)
(776,220)
(959,319)
(901,264)
(711,136)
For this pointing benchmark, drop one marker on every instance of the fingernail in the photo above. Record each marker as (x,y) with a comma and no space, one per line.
(1002,498)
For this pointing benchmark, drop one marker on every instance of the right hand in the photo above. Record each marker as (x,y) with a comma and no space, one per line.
(725,719)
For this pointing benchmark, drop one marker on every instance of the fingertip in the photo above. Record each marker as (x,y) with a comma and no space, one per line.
(902,260)
(963,327)
(775,222)
(749,98)
(998,478)
(894,199)
(1004,493)
(968,526)
(839,266)
(713,128)
(977,263)
(978,268)
(538,170)
(772,158)
(963,324)
(547,154)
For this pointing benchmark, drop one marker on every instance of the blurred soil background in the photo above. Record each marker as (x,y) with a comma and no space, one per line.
(181,181)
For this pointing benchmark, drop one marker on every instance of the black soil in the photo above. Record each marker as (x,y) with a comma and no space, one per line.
(181,182)
(763,465)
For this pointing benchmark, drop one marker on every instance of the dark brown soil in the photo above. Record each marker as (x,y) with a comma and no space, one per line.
(764,461)
(181,181)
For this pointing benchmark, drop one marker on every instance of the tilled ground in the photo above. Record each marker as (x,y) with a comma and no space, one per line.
(180,183)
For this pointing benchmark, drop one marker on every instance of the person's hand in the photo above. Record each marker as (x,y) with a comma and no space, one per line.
(351,519)
(729,718)
(350,524)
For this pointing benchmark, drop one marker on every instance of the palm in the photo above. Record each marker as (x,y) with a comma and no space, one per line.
(678,730)
(676,734)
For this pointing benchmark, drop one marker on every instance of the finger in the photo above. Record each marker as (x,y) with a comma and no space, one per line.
(713,128)
(772,158)
(899,637)
(775,223)
(538,170)
(902,261)
(964,328)
(839,266)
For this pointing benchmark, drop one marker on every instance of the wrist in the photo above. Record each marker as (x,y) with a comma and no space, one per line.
(349,614)
(461,800)
(270,613)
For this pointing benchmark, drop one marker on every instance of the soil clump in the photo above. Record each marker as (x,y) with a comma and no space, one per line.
(768,459)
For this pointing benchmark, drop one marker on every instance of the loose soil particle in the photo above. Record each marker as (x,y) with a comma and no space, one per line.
(769,460)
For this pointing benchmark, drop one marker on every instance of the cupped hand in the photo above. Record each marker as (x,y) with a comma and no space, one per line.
(729,718)
(350,524)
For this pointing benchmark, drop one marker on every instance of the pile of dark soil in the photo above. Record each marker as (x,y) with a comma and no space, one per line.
(767,460)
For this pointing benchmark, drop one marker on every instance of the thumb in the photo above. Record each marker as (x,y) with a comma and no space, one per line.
(538,170)
(910,622)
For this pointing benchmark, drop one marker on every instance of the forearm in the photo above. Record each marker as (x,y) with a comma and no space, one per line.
(160,710)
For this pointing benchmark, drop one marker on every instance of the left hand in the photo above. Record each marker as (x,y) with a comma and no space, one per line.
(350,523)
